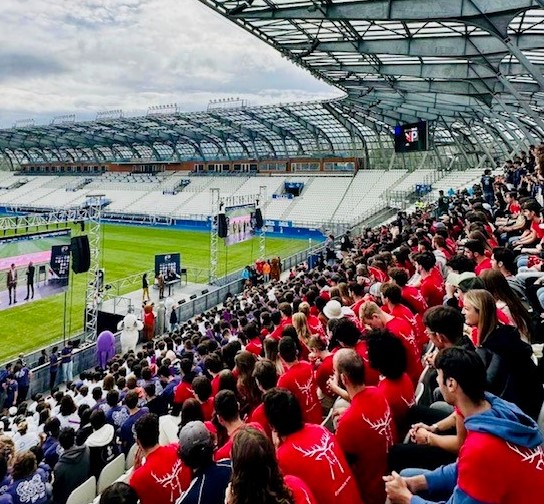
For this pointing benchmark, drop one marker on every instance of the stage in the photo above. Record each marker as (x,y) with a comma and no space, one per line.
(180,291)
(41,291)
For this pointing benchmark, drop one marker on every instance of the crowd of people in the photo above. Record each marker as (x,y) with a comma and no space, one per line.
(400,367)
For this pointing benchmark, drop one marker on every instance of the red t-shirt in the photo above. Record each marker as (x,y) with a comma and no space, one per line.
(365,432)
(215,385)
(415,299)
(415,321)
(356,307)
(255,346)
(514,474)
(224,451)
(183,392)
(300,490)
(258,416)
(514,208)
(535,226)
(372,376)
(400,396)
(207,409)
(276,333)
(485,264)
(300,380)
(402,330)
(432,290)
(322,374)
(315,325)
(313,455)
(162,478)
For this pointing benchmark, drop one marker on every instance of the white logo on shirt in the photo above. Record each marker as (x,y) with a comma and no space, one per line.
(532,456)
(323,451)
(306,391)
(172,481)
(31,490)
(119,417)
(382,426)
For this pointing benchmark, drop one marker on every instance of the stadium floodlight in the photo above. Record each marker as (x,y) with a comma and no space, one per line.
(24,123)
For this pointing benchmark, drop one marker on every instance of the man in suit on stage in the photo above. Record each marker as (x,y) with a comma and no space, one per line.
(12,283)
(30,280)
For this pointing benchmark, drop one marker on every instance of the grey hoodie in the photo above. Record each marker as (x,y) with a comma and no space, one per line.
(72,469)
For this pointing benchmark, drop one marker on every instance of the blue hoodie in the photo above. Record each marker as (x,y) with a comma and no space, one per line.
(492,465)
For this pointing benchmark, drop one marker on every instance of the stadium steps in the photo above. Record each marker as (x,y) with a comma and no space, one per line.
(294,202)
(24,194)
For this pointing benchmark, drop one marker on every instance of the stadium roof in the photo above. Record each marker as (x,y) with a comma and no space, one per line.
(471,67)
(451,60)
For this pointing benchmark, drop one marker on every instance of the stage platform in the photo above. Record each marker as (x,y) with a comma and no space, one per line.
(120,304)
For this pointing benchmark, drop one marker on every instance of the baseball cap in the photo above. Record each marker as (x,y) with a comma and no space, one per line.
(194,434)
(456,278)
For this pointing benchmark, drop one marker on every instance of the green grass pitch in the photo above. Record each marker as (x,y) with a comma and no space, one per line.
(126,250)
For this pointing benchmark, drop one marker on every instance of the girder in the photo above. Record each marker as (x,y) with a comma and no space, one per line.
(389,10)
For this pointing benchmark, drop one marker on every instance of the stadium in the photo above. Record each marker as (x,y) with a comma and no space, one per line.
(201,265)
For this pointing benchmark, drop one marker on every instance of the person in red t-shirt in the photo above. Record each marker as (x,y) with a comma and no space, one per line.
(163,477)
(299,379)
(376,318)
(411,296)
(266,376)
(392,304)
(357,292)
(432,284)
(531,236)
(309,452)
(366,430)
(387,354)
(184,390)
(475,250)
(214,365)
(256,476)
(347,335)
(202,389)
(227,410)
(255,342)
(286,312)
(315,325)
(321,358)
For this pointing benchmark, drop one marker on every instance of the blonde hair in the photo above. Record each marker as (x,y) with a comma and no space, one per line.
(484,304)
(368,310)
(300,323)
(304,307)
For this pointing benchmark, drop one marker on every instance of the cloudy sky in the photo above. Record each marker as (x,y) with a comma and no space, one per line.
(86,56)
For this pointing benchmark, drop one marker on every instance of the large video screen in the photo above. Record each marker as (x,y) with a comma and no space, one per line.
(33,266)
(167,265)
(412,137)
(241,224)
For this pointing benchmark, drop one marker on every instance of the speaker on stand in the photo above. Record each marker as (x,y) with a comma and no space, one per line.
(81,254)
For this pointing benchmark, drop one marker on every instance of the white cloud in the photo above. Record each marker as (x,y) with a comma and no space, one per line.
(83,56)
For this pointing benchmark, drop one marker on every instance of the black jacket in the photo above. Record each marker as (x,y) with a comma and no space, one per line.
(523,385)
(72,469)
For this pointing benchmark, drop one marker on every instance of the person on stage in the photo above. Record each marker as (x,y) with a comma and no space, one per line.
(12,283)
(30,270)
(145,288)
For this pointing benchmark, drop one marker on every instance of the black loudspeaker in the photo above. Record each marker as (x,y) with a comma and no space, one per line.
(81,254)
(193,297)
(258,218)
(205,291)
(222,227)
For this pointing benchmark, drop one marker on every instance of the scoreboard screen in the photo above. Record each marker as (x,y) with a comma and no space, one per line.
(413,137)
